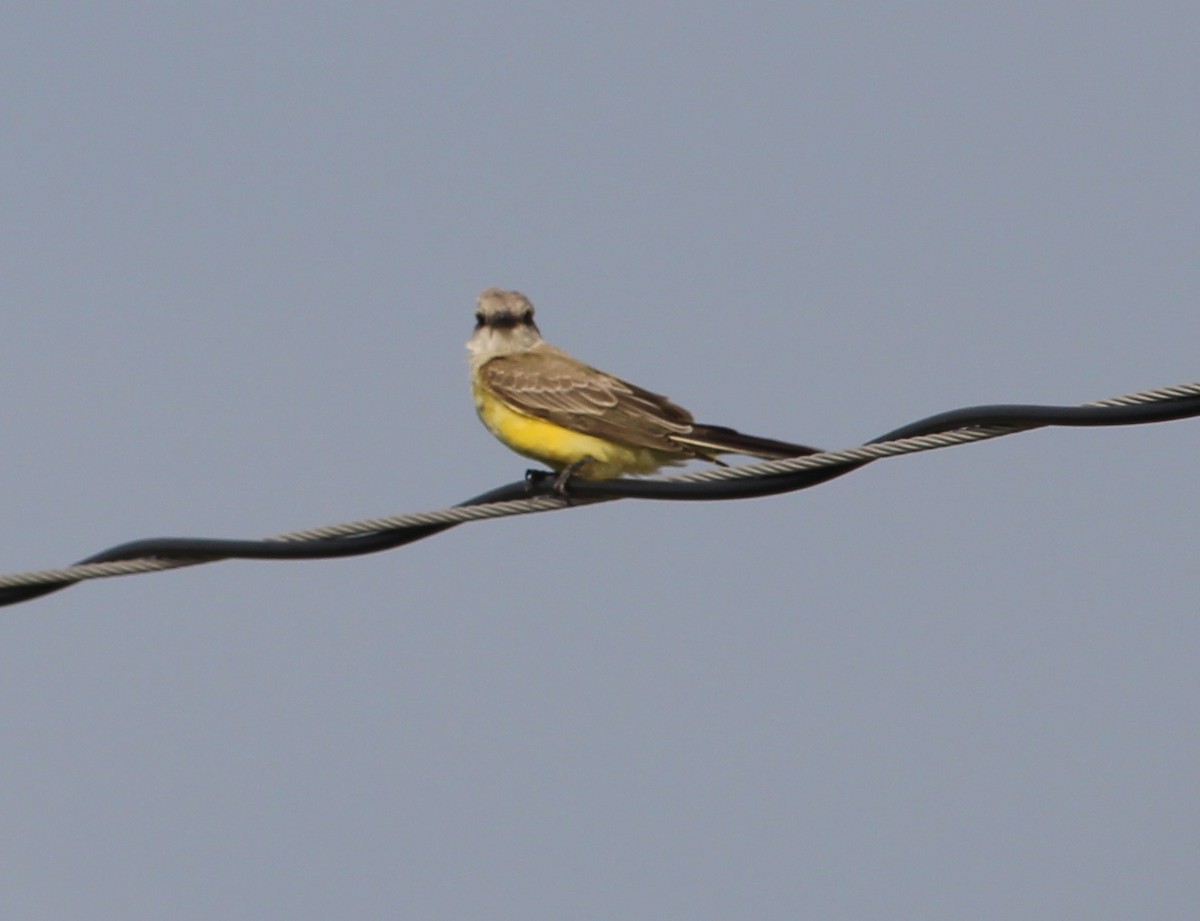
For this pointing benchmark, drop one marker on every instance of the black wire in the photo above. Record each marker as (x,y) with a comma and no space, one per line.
(1016,416)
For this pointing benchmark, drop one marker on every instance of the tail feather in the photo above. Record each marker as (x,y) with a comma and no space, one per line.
(717,439)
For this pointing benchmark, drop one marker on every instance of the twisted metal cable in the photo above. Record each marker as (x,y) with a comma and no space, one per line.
(339,539)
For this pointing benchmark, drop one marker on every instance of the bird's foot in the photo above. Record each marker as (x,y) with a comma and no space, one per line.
(535,480)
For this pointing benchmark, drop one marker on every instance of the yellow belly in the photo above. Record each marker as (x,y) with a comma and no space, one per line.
(559,447)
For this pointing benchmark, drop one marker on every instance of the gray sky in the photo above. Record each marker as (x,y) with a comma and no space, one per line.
(240,249)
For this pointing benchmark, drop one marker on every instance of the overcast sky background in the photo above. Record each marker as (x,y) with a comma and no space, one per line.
(239,251)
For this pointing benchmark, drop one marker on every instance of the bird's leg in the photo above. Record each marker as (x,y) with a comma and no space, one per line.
(560,481)
(535,478)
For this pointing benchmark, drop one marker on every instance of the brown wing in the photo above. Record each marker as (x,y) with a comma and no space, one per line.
(552,385)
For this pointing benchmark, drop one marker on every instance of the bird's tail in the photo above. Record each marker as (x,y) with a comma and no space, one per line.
(711,440)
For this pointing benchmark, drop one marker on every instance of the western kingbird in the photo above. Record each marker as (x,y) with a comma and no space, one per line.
(553,408)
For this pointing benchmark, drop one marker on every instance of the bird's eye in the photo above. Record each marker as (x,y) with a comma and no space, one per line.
(478,319)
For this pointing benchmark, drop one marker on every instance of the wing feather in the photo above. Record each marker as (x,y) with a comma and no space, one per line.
(553,386)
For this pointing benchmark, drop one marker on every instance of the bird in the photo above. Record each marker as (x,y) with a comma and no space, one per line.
(578,420)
